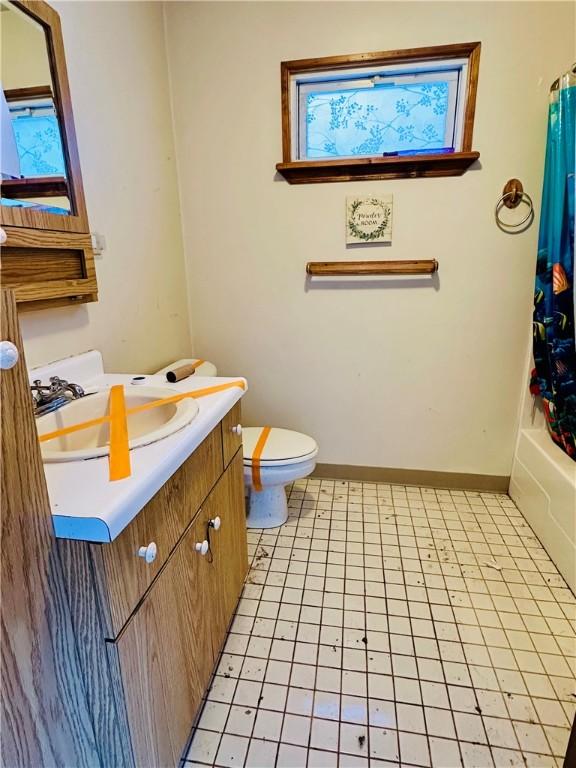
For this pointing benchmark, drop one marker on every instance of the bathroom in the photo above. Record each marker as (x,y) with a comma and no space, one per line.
(433,546)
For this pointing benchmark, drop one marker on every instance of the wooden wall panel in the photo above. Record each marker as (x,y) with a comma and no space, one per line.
(48,267)
(45,718)
(92,622)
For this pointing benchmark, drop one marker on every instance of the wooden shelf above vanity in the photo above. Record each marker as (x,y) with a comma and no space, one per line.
(47,269)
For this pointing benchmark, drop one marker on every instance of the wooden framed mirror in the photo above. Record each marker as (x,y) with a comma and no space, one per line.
(47,256)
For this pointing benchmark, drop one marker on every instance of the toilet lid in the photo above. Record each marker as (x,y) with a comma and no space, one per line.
(283,446)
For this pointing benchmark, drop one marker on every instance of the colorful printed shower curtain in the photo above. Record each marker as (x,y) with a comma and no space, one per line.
(554,377)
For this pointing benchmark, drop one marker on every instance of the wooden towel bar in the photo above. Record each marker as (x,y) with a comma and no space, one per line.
(349,268)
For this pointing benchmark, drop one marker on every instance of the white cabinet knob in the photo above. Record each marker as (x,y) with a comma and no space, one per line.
(215,523)
(8,355)
(202,547)
(237,429)
(3,236)
(148,553)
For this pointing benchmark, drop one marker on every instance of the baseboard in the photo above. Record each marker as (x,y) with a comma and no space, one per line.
(461,481)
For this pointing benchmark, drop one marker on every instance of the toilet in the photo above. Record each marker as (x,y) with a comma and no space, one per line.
(283,457)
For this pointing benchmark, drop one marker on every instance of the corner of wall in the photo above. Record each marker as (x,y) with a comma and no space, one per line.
(187,266)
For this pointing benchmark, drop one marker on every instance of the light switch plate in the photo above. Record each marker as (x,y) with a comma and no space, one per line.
(98,243)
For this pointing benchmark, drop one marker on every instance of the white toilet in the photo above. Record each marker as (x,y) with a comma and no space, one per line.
(285,456)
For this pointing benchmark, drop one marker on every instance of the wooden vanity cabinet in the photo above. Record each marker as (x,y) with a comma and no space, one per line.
(228,549)
(163,520)
(231,436)
(166,654)
(160,634)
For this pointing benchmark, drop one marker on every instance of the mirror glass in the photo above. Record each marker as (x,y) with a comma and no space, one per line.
(33,165)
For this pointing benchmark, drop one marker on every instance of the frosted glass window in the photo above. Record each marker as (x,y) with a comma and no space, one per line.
(39,145)
(372,121)
(382,112)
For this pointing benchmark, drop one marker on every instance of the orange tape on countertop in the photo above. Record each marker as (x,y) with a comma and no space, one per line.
(117,417)
(119,448)
(258,448)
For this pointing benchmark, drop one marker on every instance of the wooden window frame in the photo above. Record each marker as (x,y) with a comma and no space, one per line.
(379,167)
(38,186)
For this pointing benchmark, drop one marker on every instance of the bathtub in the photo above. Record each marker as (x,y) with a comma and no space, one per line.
(543,486)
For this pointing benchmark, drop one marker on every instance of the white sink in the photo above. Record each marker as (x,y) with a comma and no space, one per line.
(143,428)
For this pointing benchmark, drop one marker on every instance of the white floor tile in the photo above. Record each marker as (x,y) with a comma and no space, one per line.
(354,709)
(214,716)
(439,723)
(384,744)
(268,725)
(261,753)
(232,751)
(290,756)
(414,749)
(374,628)
(299,701)
(320,759)
(353,740)
(324,734)
(500,732)
(273,696)
(296,730)
(204,746)
(241,721)
(531,737)
(445,753)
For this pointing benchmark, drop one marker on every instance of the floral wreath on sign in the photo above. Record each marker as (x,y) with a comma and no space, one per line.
(377,232)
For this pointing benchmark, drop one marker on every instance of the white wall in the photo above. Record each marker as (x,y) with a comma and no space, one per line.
(396,375)
(24,54)
(118,77)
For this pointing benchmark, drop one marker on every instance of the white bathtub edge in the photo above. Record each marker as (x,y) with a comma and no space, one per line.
(543,486)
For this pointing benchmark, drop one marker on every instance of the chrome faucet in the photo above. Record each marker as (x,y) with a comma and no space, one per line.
(50,397)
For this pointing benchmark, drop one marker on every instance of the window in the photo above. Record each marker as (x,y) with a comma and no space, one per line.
(411,110)
(37,134)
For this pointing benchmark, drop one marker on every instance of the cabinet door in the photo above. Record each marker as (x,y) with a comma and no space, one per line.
(166,654)
(162,521)
(228,543)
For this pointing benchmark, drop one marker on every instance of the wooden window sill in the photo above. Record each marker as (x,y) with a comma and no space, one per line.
(371,168)
(38,186)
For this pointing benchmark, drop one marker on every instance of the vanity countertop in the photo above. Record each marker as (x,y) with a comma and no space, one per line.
(85,504)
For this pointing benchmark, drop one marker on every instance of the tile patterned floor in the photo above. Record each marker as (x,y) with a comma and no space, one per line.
(390,625)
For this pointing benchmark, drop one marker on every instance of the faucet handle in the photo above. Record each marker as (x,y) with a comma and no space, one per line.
(57,384)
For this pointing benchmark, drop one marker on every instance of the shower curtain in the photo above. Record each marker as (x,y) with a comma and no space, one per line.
(554,377)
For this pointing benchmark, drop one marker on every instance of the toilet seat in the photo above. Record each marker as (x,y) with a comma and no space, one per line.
(282,447)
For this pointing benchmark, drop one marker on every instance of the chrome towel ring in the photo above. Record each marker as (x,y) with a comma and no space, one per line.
(512,195)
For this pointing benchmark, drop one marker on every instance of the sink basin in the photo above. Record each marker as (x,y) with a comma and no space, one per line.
(143,428)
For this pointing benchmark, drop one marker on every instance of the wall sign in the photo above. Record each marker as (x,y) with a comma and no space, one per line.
(369,219)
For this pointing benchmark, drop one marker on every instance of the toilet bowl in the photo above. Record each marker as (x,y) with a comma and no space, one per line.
(284,457)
